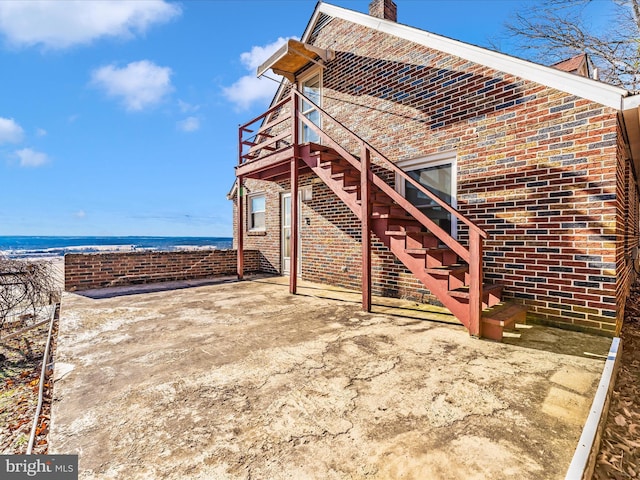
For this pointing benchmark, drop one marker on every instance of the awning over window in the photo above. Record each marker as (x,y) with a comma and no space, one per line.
(292,56)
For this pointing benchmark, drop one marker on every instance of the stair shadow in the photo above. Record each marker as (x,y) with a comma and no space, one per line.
(560,341)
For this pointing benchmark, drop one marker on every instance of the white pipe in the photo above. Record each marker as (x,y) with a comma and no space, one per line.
(581,466)
(45,361)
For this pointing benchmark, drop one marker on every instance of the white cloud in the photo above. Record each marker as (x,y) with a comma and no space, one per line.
(189,124)
(80,214)
(31,158)
(258,54)
(187,107)
(249,89)
(10,131)
(61,24)
(41,132)
(139,84)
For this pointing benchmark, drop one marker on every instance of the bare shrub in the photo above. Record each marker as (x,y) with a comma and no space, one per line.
(554,30)
(25,286)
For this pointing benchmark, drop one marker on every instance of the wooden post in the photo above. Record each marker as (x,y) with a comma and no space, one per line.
(475,283)
(240,229)
(293,267)
(365,199)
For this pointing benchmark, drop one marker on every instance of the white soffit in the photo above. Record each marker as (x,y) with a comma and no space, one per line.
(583,87)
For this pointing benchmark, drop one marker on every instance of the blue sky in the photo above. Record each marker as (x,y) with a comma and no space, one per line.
(120,118)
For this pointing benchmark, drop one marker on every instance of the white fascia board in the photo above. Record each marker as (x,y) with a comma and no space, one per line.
(583,87)
(631,102)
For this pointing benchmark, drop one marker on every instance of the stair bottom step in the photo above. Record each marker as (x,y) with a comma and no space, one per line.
(502,317)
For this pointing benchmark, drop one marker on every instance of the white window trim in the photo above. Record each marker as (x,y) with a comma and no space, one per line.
(435,160)
(250,212)
(312,72)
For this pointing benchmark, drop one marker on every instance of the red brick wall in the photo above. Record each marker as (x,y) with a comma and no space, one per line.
(536,166)
(536,169)
(267,242)
(99,270)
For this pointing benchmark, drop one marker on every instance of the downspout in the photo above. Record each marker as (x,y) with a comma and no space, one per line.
(293,244)
(240,230)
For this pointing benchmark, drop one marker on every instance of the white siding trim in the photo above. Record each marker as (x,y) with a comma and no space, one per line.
(583,87)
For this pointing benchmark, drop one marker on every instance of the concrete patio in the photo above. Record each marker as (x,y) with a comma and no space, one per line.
(242,380)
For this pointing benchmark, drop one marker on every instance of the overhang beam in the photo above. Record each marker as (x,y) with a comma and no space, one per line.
(292,56)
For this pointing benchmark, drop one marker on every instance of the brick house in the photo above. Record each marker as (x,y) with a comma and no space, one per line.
(494,184)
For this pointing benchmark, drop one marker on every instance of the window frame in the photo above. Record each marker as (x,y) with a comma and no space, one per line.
(251,212)
(301,80)
(435,160)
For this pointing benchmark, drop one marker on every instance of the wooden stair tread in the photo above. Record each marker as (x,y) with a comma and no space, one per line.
(505,314)
(346,175)
(404,233)
(425,250)
(317,147)
(390,216)
(331,164)
(501,317)
(463,292)
(447,269)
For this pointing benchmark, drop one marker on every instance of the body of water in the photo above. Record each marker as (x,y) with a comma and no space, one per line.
(33,247)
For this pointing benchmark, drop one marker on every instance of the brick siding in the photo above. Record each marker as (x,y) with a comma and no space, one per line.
(542,171)
(100,270)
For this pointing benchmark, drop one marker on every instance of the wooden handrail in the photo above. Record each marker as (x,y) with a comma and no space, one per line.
(396,169)
(255,145)
(265,145)
(259,117)
(433,227)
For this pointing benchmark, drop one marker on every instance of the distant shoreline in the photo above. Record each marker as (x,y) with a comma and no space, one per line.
(57,247)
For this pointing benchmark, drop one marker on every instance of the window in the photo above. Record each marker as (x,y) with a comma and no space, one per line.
(437,174)
(257,204)
(311,88)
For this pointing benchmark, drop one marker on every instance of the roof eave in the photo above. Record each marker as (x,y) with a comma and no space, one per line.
(583,87)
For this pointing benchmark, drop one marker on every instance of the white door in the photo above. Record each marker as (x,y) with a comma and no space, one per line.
(438,175)
(285,215)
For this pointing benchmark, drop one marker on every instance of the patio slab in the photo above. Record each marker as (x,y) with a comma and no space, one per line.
(244,381)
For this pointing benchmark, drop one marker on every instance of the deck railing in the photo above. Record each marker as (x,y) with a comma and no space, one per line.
(265,134)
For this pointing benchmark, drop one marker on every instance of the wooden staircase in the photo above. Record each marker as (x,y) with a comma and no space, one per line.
(450,270)
(437,266)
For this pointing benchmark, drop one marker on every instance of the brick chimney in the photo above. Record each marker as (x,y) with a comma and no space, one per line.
(386,9)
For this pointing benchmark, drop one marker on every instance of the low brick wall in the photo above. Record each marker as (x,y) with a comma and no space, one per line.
(85,271)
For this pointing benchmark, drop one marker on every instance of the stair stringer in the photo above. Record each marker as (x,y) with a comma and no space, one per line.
(351,199)
(435,285)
